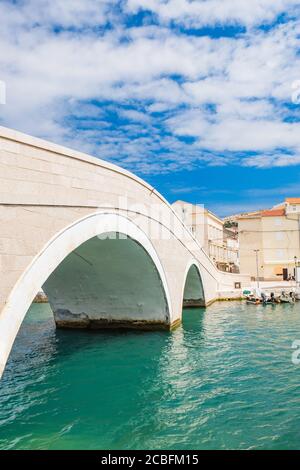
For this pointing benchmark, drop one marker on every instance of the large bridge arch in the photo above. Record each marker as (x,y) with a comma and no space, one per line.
(149,302)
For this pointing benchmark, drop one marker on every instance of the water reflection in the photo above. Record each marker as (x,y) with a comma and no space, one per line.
(224,379)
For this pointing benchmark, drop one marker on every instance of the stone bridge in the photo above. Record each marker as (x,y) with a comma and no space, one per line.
(106,247)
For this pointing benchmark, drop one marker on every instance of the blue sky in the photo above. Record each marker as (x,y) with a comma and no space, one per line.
(200,98)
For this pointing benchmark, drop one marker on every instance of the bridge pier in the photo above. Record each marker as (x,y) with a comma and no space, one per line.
(193,303)
(68,320)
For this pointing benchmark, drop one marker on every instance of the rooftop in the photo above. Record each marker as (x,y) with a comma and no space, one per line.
(292,200)
(273,212)
(249,215)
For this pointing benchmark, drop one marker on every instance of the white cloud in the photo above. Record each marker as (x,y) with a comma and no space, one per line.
(134,115)
(260,135)
(229,98)
(197,13)
(277,160)
(54,13)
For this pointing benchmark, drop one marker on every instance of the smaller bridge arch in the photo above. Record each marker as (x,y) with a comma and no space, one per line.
(193,290)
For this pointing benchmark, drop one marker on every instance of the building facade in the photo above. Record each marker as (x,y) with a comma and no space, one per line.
(219,243)
(269,241)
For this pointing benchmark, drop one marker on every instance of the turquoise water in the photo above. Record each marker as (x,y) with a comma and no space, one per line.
(223,380)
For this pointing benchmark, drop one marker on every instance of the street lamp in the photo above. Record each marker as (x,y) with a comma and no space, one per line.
(296,271)
(257,272)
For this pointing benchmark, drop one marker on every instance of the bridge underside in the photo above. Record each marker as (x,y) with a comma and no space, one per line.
(193,296)
(108,283)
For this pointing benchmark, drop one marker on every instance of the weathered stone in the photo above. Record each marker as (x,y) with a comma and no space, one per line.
(193,303)
(41,298)
(67,319)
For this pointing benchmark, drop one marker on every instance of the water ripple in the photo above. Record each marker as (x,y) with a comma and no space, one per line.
(224,380)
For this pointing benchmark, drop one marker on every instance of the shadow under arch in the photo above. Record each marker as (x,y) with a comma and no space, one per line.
(71,252)
(109,282)
(193,294)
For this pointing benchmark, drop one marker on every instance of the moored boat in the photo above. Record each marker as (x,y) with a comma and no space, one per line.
(287,298)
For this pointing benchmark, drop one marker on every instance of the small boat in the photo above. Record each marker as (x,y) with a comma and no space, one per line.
(263,299)
(247,293)
(268,300)
(297,294)
(287,299)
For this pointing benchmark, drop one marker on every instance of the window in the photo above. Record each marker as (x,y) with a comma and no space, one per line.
(278,222)
(279,236)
